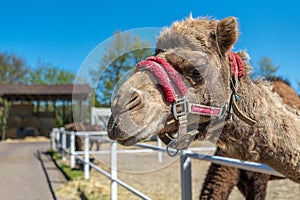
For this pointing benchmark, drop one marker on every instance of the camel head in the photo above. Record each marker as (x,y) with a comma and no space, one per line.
(198,52)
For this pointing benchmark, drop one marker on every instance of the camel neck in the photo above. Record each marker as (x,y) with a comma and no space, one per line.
(275,139)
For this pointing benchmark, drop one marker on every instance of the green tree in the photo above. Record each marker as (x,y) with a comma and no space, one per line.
(267,68)
(46,73)
(12,68)
(121,55)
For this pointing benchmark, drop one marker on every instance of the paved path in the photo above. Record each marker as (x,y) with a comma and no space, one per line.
(27,173)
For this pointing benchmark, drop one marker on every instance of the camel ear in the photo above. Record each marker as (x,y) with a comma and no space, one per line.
(244,56)
(227,34)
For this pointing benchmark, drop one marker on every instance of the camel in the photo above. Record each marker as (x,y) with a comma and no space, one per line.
(80,126)
(220,179)
(196,84)
(79,146)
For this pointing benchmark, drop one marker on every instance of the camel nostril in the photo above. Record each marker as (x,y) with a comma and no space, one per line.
(112,128)
(134,101)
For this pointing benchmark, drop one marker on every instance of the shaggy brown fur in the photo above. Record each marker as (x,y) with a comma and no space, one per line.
(198,49)
(274,140)
(288,95)
(220,180)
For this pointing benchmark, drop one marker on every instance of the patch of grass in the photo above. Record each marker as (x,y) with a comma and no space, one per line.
(73,174)
(97,196)
(50,152)
(86,189)
(92,191)
(54,154)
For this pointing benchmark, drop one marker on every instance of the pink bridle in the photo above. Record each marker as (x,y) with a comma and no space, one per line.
(174,88)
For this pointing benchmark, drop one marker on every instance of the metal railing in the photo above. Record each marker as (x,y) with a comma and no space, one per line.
(59,143)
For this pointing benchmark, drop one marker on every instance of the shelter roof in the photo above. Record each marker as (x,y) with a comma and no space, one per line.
(19,92)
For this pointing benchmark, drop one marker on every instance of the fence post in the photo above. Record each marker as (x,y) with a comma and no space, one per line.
(63,146)
(159,152)
(72,150)
(57,140)
(186,177)
(86,156)
(93,115)
(53,136)
(113,171)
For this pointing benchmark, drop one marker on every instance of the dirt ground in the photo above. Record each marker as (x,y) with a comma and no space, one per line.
(28,139)
(161,181)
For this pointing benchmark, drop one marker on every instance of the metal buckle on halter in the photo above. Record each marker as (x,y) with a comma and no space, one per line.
(180,143)
(182,103)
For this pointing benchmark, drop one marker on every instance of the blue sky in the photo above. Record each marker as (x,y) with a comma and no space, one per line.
(64,32)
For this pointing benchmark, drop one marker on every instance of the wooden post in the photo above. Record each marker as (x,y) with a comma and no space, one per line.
(47,106)
(54,108)
(38,106)
(54,105)
(64,111)
(4,122)
(81,111)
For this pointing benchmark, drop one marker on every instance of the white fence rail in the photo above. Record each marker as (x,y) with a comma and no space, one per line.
(59,143)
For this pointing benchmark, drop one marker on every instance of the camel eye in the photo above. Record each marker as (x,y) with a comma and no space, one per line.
(197,77)
(158,51)
(194,76)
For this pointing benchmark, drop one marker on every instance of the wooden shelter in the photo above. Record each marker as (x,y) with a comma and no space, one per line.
(21,92)
(23,110)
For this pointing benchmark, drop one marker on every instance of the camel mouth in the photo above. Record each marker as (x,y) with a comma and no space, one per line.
(127,131)
(125,138)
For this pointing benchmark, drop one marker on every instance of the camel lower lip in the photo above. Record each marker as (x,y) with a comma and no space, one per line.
(130,139)
(127,142)
(127,132)
(124,138)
